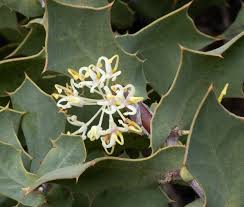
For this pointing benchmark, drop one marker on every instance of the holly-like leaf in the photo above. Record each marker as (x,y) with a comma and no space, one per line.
(67,150)
(158,44)
(12,71)
(15,177)
(151,10)
(9,125)
(122,16)
(33,42)
(197,71)
(133,181)
(9,25)
(41,122)
(8,19)
(5,201)
(196,203)
(237,26)
(7,49)
(86,3)
(80,35)
(214,155)
(29,8)
(59,196)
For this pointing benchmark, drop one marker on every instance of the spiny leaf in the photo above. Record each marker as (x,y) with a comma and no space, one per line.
(196,203)
(59,196)
(215,155)
(133,181)
(7,49)
(72,42)
(33,42)
(8,18)
(15,177)
(158,45)
(237,26)
(12,71)
(29,8)
(122,17)
(41,122)
(5,201)
(197,71)
(9,125)
(67,150)
(86,3)
(151,10)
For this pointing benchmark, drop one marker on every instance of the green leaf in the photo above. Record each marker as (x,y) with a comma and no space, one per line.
(8,18)
(214,155)
(8,25)
(33,42)
(59,196)
(49,79)
(151,10)
(4,101)
(6,202)
(158,44)
(67,150)
(196,203)
(7,49)
(86,3)
(72,42)
(41,122)
(135,182)
(197,71)
(15,177)
(29,8)
(9,126)
(122,17)
(237,26)
(12,71)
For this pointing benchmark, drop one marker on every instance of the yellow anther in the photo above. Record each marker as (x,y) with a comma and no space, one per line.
(117,103)
(134,100)
(55,95)
(119,138)
(223,92)
(113,88)
(92,134)
(99,65)
(133,126)
(116,57)
(74,74)
(98,75)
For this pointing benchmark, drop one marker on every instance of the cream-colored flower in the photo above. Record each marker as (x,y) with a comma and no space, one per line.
(113,99)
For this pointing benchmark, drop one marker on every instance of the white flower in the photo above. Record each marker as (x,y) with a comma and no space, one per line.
(113,99)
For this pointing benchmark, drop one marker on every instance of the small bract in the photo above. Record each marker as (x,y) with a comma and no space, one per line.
(115,100)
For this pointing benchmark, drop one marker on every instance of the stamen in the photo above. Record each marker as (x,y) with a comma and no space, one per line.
(113,99)
(116,57)
(75,74)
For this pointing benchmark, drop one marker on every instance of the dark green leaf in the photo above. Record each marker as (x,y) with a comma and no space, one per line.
(41,123)
(215,155)
(158,44)
(197,71)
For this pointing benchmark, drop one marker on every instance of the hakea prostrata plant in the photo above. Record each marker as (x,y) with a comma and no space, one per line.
(115,100)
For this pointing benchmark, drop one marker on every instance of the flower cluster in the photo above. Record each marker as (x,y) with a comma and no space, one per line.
(116,101)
